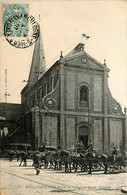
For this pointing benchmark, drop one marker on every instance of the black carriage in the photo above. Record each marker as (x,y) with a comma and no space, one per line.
(117,164)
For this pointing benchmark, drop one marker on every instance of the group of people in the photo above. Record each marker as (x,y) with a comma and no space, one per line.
(80,145)
(37,157)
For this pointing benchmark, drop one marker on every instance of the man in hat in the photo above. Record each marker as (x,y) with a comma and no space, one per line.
(36,160)
(114,153)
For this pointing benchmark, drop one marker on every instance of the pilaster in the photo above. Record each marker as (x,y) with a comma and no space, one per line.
(62,124)
(105,141)
(125,132)
(37,125)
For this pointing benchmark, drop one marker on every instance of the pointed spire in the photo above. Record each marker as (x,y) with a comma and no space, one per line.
(38,62)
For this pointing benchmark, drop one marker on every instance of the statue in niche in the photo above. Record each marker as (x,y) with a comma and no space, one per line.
(84,94)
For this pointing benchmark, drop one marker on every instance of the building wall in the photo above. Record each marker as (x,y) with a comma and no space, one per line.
(70,133)
(98,93)
(11,112)
(50,130)
(33,94)
(116,133)
(98,135)
(70,90)
(76,77)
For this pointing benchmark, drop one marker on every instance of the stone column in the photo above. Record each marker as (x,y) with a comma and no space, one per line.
(105,144)
(62,125)
(37,129)
(33,128)
(126,133)
(43,128)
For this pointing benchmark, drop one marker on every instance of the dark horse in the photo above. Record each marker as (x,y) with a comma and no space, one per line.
(93,160)
(68,159)
(53,158)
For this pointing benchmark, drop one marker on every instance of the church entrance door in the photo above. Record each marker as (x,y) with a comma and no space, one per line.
(83,135)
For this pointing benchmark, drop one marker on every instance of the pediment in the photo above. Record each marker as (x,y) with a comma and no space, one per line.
(78,57)
(83,60)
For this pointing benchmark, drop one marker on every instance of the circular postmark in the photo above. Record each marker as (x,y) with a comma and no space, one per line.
(21,30)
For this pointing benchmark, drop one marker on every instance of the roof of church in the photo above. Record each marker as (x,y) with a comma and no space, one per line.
(77,52)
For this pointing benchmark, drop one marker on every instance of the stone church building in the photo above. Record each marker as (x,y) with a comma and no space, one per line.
(69,102)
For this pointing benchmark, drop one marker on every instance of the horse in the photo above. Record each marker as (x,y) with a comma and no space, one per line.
(57,160)
(66,159)
(82,161)
(92,159)
(52,157)
(104,158)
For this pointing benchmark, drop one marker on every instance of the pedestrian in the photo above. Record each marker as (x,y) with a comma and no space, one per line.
(59,148)
(36,162)
(114,153)
(23,158)
(10,155)
(90,146)
(43,148)
(90,159)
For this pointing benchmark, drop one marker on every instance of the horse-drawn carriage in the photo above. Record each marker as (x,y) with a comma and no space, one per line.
(117,164)
(89,160)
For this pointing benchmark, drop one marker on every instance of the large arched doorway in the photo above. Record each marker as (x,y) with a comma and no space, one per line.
(83,135)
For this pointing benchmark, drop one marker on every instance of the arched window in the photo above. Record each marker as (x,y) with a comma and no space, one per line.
(45,87)
(35,98)
(84,93)
(40,93)
(52,83)
(83,97)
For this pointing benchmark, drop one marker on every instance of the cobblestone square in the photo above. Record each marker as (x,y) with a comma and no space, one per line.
(23,181)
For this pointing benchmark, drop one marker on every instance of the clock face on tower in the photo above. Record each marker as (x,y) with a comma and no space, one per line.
(84,60)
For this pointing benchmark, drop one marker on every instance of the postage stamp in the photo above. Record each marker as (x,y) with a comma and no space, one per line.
(13,9)
(20,29)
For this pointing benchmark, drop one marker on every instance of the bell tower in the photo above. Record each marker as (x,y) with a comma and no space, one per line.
(38,62)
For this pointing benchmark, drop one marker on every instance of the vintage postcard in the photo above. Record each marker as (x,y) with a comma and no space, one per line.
(63,97)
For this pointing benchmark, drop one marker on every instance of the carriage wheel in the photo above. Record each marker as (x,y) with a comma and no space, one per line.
(117,168)
(123,169)
(111,169)
(96,167)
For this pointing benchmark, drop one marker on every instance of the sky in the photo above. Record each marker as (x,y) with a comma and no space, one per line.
(62,24)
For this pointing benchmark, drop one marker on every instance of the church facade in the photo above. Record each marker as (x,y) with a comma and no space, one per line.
(71,102)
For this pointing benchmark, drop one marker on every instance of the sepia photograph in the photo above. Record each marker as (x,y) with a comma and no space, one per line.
(63,97)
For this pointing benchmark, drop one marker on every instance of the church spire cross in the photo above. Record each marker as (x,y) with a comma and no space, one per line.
(105,62)
(61,55)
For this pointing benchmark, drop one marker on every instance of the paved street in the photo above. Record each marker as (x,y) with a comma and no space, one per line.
(23,181)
